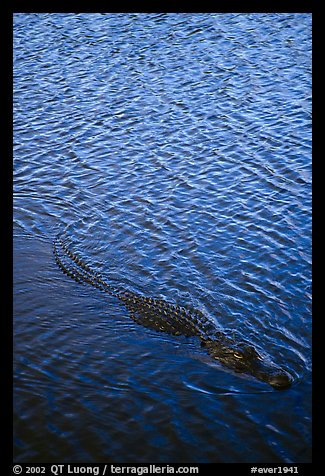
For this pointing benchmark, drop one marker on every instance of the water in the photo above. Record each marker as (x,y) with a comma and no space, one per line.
(174,152)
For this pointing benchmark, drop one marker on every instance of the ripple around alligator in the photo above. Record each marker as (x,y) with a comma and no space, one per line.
(175,151)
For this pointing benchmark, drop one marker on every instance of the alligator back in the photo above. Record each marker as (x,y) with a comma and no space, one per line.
(153,313)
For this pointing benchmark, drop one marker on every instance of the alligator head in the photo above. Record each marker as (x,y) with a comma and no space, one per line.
(244,358)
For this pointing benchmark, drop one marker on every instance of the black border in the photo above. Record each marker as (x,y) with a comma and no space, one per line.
(146,6)
(6,220)
(6,172)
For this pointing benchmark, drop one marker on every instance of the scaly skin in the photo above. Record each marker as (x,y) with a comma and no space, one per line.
(163,316)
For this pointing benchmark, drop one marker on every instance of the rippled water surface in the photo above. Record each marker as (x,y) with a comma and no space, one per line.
(173,151)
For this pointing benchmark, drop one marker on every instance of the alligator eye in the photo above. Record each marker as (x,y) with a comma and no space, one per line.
(238,355)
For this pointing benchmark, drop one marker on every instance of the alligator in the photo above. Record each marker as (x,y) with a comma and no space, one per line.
(164,316)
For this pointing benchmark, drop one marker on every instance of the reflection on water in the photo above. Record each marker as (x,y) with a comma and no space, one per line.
(175,152)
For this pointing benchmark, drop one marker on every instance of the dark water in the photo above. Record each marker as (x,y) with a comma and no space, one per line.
(174,150)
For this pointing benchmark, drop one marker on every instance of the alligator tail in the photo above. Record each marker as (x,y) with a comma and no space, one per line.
(74,267)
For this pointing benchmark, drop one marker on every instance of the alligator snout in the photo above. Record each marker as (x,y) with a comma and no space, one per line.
(280,380)
(274,376)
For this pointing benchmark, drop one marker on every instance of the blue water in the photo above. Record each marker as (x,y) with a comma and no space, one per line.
(174,152)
